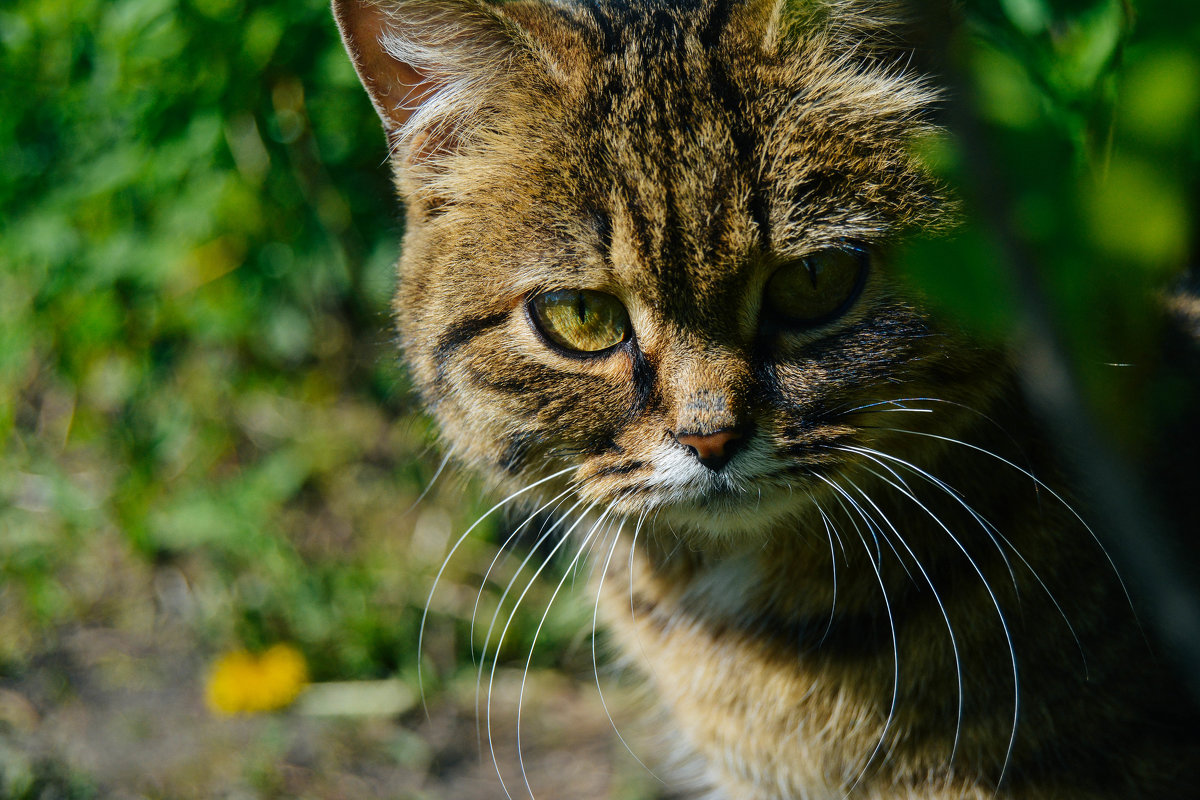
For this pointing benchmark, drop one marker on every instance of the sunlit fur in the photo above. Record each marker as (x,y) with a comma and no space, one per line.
(886,592)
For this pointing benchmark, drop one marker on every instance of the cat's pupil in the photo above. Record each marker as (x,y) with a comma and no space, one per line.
(814,269)
(814,290)
(580,320)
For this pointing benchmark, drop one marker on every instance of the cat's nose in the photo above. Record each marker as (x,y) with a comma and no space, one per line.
(713,449)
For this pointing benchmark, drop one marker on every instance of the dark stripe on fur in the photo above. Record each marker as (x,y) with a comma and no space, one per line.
(621,469)
(717,20)
(612,42)
(465,330)
(644,378)
(745,141)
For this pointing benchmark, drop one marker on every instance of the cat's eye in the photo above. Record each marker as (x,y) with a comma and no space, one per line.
(580,320)
(815,289)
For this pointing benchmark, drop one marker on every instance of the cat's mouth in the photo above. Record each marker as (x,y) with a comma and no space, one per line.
(745,495)
(759,486)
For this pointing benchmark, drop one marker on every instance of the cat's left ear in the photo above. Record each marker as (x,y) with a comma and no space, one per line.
(429,66)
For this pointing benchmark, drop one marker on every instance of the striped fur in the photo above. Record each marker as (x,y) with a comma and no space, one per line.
(884,594)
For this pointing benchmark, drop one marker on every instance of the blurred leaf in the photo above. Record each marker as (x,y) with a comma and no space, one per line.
(963,280)
(1086,46)
(1140,214)
(1006,96)
(1031,16)
(1160,96)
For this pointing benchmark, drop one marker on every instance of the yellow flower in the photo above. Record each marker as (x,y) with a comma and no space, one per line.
(244,683)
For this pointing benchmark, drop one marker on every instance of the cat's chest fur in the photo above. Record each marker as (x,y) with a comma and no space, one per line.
(779,700)
(772,720)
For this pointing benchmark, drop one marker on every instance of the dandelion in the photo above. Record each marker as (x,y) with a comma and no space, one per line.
(244,683)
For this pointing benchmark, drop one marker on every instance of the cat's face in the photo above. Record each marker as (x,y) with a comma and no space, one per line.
(650,252)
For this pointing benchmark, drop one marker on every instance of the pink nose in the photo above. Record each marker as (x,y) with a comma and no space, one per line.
(713,449)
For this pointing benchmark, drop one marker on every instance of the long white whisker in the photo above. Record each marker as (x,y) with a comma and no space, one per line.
(895,402)
(1038,481)
(596,563)
(633,602)
(595,620)
(429,486)
(895,406)
(829,534)
(833,529)
(941,606)
(891,623)
(446,562)
(877,533)
(990,529)
(504,549)
(487,639)
(838,494)
(591,548)
(962,406)
(504,631)
(987,587)
(538,630)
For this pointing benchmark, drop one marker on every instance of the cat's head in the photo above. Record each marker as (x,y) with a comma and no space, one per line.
(646,242)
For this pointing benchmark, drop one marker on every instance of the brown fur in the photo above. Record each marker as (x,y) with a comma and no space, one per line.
(674,156)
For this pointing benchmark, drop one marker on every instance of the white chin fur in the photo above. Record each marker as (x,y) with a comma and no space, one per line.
(733,502)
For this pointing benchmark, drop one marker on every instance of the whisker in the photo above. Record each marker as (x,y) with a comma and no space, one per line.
(503,549)
(992,532)
(538,630)
(987,526)
(829,534)
(962,406)
(633,602)
(429,486)
(895,668)
(1048,490)
(987,587)
(895,645)
(591,549)
(504,632)
(446,562)
(895,403)
(941,606)
(857,530)
(487,639)
(595,665)
(876,531)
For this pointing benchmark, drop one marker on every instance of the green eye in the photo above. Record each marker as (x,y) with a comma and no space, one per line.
(816,289)
(580,319)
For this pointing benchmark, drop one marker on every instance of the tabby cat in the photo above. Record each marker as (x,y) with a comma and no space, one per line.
(645,282)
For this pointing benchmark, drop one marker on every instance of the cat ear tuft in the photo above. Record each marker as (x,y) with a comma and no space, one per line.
(880,27)
(426,64)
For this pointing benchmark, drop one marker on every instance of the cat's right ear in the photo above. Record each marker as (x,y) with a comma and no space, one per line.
(426,64)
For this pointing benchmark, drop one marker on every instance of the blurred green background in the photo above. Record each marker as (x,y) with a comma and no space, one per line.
(208,445)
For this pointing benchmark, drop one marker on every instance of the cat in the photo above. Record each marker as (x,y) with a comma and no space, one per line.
(645,275)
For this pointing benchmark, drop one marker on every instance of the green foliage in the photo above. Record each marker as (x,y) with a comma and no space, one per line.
(21,779)
(196,263)
(1083,161)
